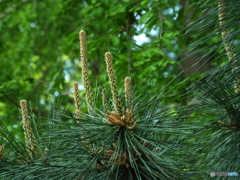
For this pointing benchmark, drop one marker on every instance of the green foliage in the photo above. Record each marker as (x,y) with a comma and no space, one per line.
(140,143)
(218,90)
(39,50)
(190,128)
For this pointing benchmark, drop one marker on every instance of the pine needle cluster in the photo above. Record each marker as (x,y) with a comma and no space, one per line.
(134,140)
(218,90)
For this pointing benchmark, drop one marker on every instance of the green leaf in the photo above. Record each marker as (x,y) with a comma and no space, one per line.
(168,23)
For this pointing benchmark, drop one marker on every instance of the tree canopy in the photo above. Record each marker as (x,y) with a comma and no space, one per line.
(40,52)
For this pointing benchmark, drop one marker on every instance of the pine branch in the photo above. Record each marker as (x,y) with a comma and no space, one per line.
(76,100)
(104,100)
(128,93)
(113,84)
(226,38)
(30,140)
(85,78)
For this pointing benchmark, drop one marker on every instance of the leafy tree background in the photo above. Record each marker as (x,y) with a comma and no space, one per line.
(40,51)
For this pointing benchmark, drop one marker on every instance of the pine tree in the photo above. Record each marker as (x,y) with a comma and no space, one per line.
(132,136)
(218,90)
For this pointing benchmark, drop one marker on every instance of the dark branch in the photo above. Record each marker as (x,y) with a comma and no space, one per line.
(12,101)
(5,1)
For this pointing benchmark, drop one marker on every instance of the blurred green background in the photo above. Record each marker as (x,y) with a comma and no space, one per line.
(39,50)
